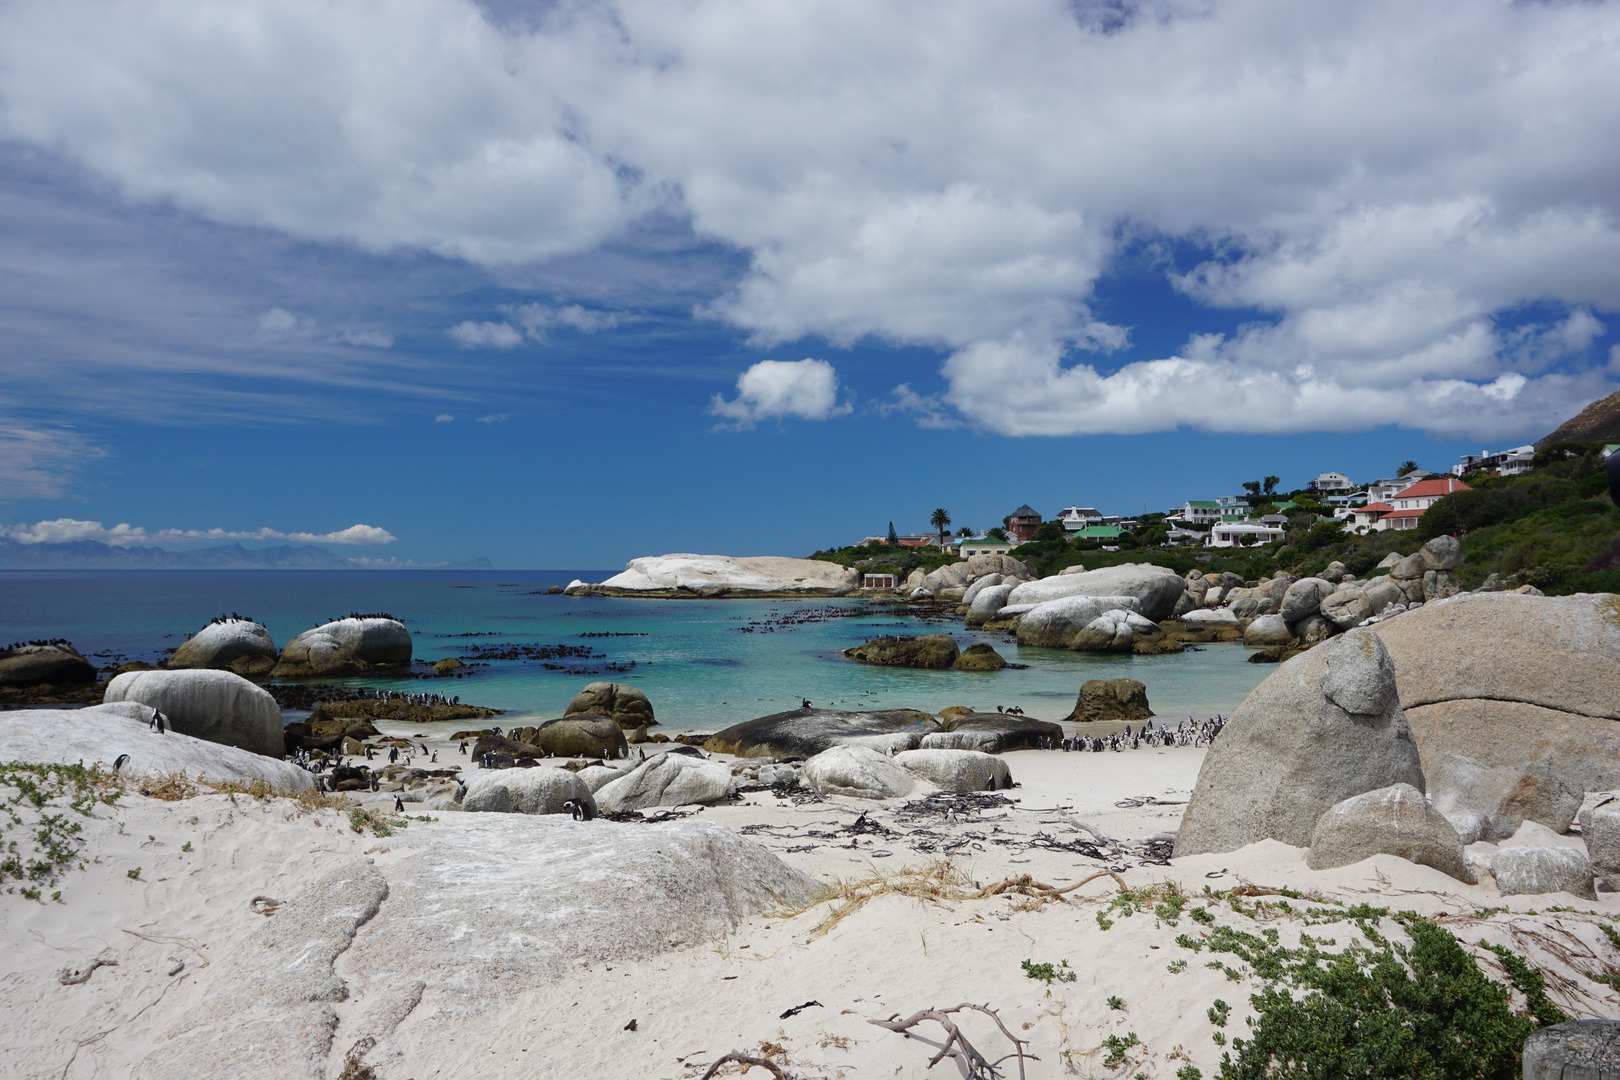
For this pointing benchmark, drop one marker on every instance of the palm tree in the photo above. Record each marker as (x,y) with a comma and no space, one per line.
(941,521)
(964,531)
(1406,467)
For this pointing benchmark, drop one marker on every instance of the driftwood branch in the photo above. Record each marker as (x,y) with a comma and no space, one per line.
(979,1067)
(744,1059)
(1030,887)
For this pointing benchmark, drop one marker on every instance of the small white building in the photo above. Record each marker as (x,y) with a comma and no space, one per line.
(1331,483)
(1243,534)
(1198,511)
(1075,518)
(969,546)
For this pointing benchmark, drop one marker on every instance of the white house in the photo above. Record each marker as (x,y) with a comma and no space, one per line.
(1243,534)
(1198,511)
(1384,489)
(1331,483)
(981,545)
(1075,518)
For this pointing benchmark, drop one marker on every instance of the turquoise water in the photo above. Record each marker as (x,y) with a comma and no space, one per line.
(703,664)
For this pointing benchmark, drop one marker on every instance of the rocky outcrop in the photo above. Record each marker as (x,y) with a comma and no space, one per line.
(804,733)
(1155,589)
(1346,608)
(1510,679)
(1396,820)
(1115,630)
(1535,869)
(345,647)
(932,651)
(222,643)
(1303,599)
(1324,727)
(979,657)
(1056,624)
(625,705)
(1485,803)
(1268,630)
(985,604)
(544,892)
(1600,829)
(101,733)
(216,706)
(540,790)
(1005,565)
(56,664)
(957,770)
(992,733)
(668,779)
(857,772)
(1111,699)
(716,576)
(576,736)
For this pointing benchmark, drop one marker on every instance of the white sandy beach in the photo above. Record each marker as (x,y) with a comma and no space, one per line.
(189,912)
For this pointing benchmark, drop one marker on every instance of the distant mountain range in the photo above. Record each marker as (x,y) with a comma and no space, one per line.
(94,555)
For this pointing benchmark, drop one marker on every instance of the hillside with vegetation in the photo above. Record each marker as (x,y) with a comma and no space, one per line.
(1553,527)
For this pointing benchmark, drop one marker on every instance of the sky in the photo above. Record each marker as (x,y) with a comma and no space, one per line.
(564,283)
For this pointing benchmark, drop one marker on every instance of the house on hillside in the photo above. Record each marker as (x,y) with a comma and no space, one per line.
(1503,462)
(1243,534)
(968,546)
(1075,518)
(917,540)
(1365,518)
(1098,532)
(1197,511)
(1406,507)
(1022,523)
(1331,483)
(1384,489)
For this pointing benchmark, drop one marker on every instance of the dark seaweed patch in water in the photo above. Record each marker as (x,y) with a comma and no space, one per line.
(715,661)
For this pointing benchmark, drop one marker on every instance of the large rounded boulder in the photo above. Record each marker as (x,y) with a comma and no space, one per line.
(624,705)
(957,770)
(1511,679)
(669,779)
(346,647)
(1396,820)
(1061,623)
(858,772)
(1324,727)
(224,642)
(1111,699)
(216,706)
(1154,588)
(804,733)
(56,663)
(538,790)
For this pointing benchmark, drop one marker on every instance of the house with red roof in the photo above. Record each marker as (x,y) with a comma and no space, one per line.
(1407,506)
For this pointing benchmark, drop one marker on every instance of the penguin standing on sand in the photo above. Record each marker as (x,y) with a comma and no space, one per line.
(399,805)
(156,723)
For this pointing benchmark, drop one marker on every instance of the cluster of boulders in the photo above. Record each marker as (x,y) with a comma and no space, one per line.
(963,582)
(931,651)
(1483,720)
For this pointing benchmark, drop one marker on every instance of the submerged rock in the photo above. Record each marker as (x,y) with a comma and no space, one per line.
(934,651)
(979,657)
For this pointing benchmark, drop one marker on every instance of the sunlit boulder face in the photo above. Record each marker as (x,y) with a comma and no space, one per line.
(346,647)
(217,706)
(226,643)
(1156,589)
(725,575)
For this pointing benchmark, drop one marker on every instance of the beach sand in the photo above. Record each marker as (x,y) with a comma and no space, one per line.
(189,912)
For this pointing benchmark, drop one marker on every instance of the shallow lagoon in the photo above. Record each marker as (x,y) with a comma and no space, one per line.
(704,664)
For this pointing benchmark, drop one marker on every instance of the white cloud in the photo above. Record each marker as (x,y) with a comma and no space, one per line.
(498,335)
(65,530)
(279,324)
(444,418)
(36,461)
(535,318)
(367,339)
(493,418)
(1388,180)
(776,389)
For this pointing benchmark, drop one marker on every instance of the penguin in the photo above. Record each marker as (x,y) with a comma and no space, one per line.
(463,747)
(156,722)
(580,809)
(435,756)
(399,805)
(120,762)
(393,754)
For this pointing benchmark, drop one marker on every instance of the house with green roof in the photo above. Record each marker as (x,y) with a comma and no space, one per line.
(1098,532)
(967,546)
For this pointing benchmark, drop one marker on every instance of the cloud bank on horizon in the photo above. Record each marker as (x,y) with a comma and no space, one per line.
(67,530)
(1419,198)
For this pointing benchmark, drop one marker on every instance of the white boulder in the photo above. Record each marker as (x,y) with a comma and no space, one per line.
(346,646)
(1056,623)
(858,772)
(220,643)
(217,706)
(668,779)
(539,790)
(750,574)
(1154,588)
(957,770)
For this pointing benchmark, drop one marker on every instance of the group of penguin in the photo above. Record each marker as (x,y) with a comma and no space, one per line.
(1187,733)
(415,699)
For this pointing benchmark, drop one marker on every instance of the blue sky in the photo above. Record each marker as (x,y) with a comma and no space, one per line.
(564,284)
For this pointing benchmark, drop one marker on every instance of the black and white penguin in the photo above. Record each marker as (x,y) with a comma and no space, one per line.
(580,809)
(120,761)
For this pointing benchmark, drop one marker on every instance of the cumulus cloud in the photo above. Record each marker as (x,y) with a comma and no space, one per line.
(444,418)
(65,530)
(536,318)
(36,461)
(1390,182)
(279,324)
(497,335)
(777,389)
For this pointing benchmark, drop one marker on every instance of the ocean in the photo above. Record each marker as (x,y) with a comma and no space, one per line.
(703,664)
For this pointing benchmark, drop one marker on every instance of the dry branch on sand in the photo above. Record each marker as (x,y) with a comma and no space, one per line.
(956,1044)
(744,1059)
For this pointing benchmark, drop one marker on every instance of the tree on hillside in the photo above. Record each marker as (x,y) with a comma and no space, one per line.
(1252,487)
(941,520)
(894,537)
(1271,483)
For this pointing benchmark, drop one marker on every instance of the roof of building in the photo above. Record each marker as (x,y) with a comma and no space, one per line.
(1375,508)
(1245,526)
(1203,504)
(1024,511)
(979,540)
(1402,514)
(1099,532)
(1429,489)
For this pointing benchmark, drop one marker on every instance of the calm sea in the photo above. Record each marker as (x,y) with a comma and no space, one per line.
(704,664)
